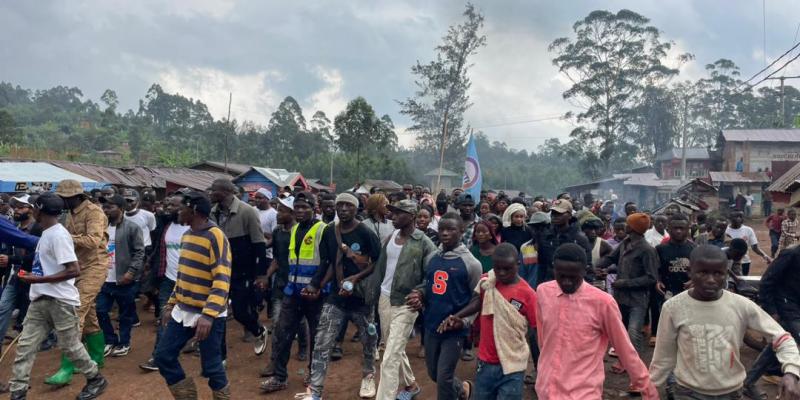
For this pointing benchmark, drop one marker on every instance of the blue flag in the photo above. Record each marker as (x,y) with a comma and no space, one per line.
(472,171)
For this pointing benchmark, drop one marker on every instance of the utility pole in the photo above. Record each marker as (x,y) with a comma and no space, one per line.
(783,100)
(230,100)
(683,151)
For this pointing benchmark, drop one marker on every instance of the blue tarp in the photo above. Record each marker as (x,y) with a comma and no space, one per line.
(27,176)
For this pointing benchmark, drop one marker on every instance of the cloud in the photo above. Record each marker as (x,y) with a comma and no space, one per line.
(253,98)
(330,97)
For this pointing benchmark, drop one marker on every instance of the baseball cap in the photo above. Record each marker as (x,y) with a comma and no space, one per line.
(287,202)
(22,200)
(539,218)
(116,200)
(305,197)
(198,201)
(561,206)
(407,206)
(130,194)
(50,204)
(463,197)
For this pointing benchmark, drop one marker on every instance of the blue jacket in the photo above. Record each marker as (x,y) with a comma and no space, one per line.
(11,235)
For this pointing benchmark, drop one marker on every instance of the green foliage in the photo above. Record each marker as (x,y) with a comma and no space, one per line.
(358,130)
(441,97)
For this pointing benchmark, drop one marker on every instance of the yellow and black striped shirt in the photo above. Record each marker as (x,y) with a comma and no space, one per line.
(204,272)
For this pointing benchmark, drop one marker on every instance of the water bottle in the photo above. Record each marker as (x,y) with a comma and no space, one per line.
(348,286)
(371,330)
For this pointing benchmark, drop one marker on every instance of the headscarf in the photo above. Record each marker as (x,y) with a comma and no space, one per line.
(510,211)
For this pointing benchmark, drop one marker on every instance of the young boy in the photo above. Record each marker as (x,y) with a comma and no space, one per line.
(54,301)
(507,306)
(673,270)
(450,277)
(701,330)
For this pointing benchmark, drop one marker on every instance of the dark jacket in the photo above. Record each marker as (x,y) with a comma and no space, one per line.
(410,271)
(779,292)
(243,229)
(129,251)
(548,240)
(637,271)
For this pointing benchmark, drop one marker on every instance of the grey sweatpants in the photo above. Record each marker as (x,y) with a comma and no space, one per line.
(44,315)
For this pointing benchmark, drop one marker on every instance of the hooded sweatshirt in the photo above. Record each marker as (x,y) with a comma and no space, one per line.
(450,279)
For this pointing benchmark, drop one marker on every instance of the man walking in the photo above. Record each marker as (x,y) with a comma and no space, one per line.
(773,222)
(737,230)
(54,302)
(87,224)
(355,248)
(126,255)
(400,268)
(242,227)
(576,322)
(197,307)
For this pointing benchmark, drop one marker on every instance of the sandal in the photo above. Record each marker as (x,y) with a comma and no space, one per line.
(272,384)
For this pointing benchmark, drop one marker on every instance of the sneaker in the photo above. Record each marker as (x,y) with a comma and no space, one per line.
(121,351)
(367,387)
(137,324)
(149,366)
(107,350)
(260,345)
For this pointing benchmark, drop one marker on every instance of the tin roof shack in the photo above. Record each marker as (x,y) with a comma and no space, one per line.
(781,187)
(646,189)
(700,193)
(794,190)
(698,163)
(449,179)
(272,179)
(31,176)
(233,169)
(386,186)
(773,151)
(730,184)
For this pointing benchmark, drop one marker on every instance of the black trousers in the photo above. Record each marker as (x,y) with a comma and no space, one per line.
(293,309)
(243,300)
(441,357)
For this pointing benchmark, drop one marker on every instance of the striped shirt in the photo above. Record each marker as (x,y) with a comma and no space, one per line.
(204,272)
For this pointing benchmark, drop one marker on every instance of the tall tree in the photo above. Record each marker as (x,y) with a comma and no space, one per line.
(438,106)
(611,60)
(358,130)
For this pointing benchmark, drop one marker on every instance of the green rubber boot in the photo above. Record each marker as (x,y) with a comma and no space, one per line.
(64,375)
(95,345)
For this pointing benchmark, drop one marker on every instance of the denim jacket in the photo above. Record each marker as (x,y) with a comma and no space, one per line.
(410,271)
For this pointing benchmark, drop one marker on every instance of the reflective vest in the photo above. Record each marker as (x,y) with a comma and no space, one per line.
(303,267)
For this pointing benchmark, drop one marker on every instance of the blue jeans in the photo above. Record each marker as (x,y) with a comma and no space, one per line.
(8,300)
(633,319)
(165,288)
(124,297)
(175,336)
(491,384)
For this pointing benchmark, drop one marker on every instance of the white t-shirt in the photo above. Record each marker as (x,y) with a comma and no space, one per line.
(744,232)
(172,240)
(146,222)
(392,255)
(269,221)
(55,248)
(112,252)
(653,237)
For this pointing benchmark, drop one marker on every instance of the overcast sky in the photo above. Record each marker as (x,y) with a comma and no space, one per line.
(325,53)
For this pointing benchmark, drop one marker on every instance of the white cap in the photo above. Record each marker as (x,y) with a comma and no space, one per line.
(22,199)
(287,202)
(265,192)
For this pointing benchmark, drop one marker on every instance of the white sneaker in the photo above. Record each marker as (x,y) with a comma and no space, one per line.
(367,387)
(107,350)
(120,351)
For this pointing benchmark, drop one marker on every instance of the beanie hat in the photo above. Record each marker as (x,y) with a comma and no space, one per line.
(638,222)
(347,198)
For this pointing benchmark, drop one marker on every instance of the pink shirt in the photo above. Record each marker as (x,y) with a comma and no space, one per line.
(574,332)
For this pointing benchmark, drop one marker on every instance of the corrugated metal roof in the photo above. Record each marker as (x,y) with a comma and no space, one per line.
(761,135)
(445,172)
(278,176)
(692,153)
(32,171)
(114,176)
(382,184)
(233,168)
(782,183)
(738,177)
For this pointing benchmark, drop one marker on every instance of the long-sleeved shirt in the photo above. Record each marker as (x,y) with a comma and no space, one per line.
(700,340)
(87,224)
(779,290)
(574,331)
(637,269)
(204,272)
(242,228)
(11,235)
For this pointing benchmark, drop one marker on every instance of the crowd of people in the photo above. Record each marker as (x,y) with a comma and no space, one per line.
(540,291)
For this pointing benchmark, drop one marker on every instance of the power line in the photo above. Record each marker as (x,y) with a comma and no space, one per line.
(776,71)
(770,65)
(520,122)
